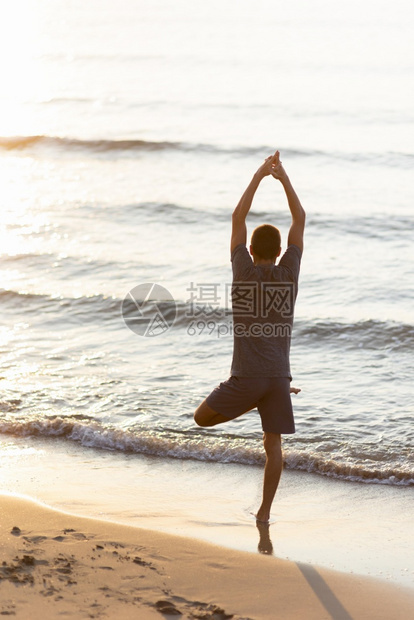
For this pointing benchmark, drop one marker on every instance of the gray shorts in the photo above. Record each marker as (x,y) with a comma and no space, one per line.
(271,396)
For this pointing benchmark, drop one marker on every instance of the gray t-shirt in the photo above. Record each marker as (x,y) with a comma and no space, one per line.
(263,300)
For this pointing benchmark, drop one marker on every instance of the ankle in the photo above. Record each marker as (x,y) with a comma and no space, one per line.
(263,515)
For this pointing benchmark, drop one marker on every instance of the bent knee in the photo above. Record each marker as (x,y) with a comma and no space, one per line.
(198,418)
(202,414)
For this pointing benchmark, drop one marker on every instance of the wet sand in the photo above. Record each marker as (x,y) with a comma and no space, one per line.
(59,565)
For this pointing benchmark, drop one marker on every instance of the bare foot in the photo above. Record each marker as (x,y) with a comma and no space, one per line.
(294,390)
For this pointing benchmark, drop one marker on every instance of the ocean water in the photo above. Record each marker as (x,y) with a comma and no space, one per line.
(128,132)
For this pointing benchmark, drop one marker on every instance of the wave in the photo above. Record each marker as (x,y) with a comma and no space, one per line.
(369,334)
(397,229)
(373,226)
(93,146)
(170,212)
(105,145)
(83,309)
(202,447)
(111,145)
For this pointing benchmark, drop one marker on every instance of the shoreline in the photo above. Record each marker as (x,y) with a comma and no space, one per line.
(344,526)
(57,563)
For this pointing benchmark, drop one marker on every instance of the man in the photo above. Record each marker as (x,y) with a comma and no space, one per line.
(263,297)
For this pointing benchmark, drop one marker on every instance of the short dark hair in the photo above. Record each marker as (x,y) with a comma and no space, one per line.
(266,241)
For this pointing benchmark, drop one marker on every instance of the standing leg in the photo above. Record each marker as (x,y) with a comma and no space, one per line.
(274,464)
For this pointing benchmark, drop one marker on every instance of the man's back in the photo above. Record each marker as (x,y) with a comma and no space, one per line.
(263,299)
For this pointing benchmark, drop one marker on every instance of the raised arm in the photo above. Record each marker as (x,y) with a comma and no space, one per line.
(238,230)
(297,227)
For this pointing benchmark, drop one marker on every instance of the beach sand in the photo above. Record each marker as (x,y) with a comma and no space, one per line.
(59,565)
(349,527)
